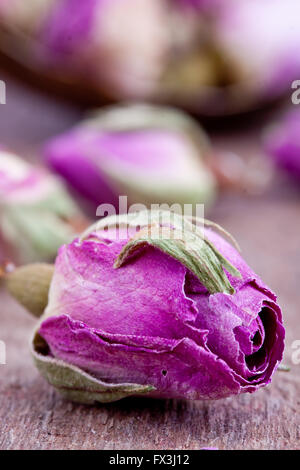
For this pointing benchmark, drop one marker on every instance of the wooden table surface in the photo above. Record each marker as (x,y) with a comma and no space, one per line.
(267,226)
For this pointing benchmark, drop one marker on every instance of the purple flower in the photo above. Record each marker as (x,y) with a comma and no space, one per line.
(265,51)
(149,153)
(64,37)
(249,55)
(119,45)
(282,142)
(182,317)
(223,61)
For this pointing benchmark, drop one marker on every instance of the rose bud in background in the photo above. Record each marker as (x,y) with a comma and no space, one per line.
(36,214)
(151,303)
(234,62)
(212,58)
(151,154)
(24,17)
(122,43)
(116,46)
(282,143)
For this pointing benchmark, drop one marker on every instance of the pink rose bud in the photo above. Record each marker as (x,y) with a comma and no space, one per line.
(115,45)
(211,57)
(169,316)
(151,154)
(37,215)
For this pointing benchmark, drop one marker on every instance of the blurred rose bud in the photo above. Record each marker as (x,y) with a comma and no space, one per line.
(118,46)
(36,214)
(211,57)
(234,62)
(151,154)
(282,143)
(265,51)
(171,316)
(25,16)
(123,43)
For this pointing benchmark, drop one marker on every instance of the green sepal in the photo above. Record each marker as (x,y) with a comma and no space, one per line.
(197,254)
(186,243)
(75,384)
(30,285)
(39,228)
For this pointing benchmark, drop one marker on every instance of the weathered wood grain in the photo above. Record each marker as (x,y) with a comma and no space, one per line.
(33,416)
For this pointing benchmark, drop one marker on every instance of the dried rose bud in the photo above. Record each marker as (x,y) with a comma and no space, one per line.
(36,214)
(209,56)
(122,43)
(234,63)
(265,51)
(151,154)
(282,143)
(25,16)
(133,310)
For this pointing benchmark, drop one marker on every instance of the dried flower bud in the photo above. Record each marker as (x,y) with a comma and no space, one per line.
(180,317)
(234,63)
(37,215)
(209,56)
(130,37)
(151,154)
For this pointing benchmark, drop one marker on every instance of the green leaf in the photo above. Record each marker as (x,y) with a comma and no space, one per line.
(180,237)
